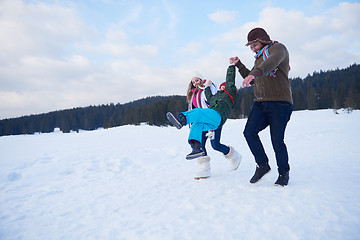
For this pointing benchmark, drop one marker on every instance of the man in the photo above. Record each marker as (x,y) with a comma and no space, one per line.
(273,102)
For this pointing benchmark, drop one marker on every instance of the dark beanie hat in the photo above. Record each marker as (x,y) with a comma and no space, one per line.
(258,34)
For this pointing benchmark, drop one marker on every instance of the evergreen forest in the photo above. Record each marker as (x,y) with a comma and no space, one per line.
(333,89)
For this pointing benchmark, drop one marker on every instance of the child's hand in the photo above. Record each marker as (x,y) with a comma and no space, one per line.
(208,83)
(234,60)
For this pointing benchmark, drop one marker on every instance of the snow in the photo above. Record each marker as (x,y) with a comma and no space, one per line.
(133,182)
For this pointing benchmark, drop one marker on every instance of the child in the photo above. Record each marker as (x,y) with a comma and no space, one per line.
(205,119)
(196,99)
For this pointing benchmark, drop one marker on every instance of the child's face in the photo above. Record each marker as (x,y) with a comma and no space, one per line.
(196,81)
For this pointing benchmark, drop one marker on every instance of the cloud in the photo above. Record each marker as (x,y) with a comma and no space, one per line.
(26,32)
(191,48)
(322,42)
(51,59)
(345,19)
(223,16)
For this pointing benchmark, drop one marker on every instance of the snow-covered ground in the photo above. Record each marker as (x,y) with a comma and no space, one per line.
(133,182)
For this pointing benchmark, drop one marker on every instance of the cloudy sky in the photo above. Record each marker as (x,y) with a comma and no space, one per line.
(60,54)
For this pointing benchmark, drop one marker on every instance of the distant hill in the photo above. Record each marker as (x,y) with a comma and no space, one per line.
(333,89)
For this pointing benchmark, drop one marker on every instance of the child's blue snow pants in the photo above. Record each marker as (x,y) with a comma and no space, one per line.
(201,119)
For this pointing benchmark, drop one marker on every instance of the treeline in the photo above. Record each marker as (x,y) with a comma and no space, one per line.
(149,110)
(331,89)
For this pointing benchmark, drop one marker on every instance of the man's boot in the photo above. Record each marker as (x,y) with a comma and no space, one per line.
(283,179)
(260,172)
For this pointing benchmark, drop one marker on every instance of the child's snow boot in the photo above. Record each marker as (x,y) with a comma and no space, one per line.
(179,121)
(234,157)
(204,164)
(197,150)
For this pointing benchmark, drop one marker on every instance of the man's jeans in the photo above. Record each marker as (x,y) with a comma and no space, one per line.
(273,114)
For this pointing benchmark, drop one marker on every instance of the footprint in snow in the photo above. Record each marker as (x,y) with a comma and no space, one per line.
(14,176)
